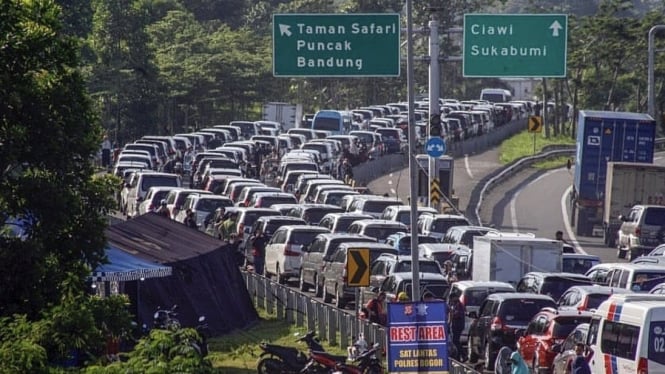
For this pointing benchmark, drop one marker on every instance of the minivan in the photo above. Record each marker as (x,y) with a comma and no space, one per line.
(627,333)
(635,277)
(140,183)
(284,250)
(641,231)
(335,274)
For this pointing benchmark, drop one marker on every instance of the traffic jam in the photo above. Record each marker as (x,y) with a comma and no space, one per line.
(286,200)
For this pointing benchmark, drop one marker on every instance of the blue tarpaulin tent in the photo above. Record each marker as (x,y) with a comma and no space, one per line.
(124,267)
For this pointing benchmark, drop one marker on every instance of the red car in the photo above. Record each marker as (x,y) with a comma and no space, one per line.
(547,328)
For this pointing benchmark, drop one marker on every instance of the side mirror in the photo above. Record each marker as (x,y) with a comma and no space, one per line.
(374,289)
(473,315)
(305,248)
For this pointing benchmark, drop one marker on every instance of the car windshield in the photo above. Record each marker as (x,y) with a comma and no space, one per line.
(655,216)
(251,216)
(556,286)
(563,326)
(438,289)
(405,242)
(209,205)
(158,180)
(577,265)
(274,224)
(644,282)
(442,257)
(382,232)
(475,297)
(442,225)
(423,266)
(267,201)
(595,299)
(302,237)
(377,206)
(314,215)
(520,311)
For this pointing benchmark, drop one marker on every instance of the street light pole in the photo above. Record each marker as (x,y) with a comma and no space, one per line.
(651,81)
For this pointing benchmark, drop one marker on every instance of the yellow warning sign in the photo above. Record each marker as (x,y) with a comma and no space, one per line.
(535,124)
(357,267)
(435,192)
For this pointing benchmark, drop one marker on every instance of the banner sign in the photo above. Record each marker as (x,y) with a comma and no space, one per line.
(417,337)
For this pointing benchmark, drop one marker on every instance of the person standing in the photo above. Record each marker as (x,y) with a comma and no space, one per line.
(106,152)
(375,308)
(456,321)
(257,243)
(580,365)
(518,366)
(190,219)
(163,210)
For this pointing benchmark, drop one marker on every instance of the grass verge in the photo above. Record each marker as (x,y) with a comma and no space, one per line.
(522,145)
(238,352)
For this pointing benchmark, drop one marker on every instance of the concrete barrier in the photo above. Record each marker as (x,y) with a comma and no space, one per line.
(386,164)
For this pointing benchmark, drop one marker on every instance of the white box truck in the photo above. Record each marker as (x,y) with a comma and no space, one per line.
(628,184)
(288,115)
(506,257)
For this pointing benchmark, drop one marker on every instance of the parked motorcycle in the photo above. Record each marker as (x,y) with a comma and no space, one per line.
(277,359)
(166,319)
(202,329)
(366,363)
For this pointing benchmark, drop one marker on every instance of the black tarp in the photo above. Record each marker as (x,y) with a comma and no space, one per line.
(205,279)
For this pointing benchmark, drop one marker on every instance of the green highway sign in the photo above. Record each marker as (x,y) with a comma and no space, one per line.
(515,45)
(336,45)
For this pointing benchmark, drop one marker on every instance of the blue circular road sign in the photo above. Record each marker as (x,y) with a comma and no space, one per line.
(435,147)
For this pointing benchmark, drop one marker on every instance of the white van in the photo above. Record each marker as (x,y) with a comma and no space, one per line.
(635,277)
(627,335)
(140,183)
(496,95)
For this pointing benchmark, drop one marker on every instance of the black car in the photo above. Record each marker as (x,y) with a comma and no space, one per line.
(551,284)
(500,320)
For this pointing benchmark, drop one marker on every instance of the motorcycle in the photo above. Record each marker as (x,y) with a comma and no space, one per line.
(202,344)
(366,363)
(166,319)
(277,359)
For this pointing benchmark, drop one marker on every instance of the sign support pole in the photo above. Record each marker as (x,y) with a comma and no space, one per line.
(413,162)
(433,94)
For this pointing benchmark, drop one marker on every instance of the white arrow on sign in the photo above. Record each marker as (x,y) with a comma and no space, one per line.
(555,26)
(286,30)
(437,147)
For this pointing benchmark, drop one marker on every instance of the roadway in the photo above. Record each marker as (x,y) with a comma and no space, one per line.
(535,201)
(467,172)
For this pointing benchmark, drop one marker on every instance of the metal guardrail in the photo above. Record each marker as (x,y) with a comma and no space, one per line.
(549,152)
(329,323)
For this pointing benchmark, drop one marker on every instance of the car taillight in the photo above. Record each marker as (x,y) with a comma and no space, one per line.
(344,277)
(584,304)
(642,366)
(462,300)
(289,252)
(497,324)
(637,231)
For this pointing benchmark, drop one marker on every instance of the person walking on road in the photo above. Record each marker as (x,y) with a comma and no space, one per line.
(257,243)
(456,321)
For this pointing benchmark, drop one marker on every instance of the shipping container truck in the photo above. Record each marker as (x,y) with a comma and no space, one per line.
(602,137)
(628,184)
(507,257)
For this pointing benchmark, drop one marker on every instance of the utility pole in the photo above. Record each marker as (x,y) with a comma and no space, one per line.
(434,108)
(413,162)
(650,80)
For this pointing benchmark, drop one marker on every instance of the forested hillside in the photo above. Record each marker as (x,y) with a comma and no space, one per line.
(168,65)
